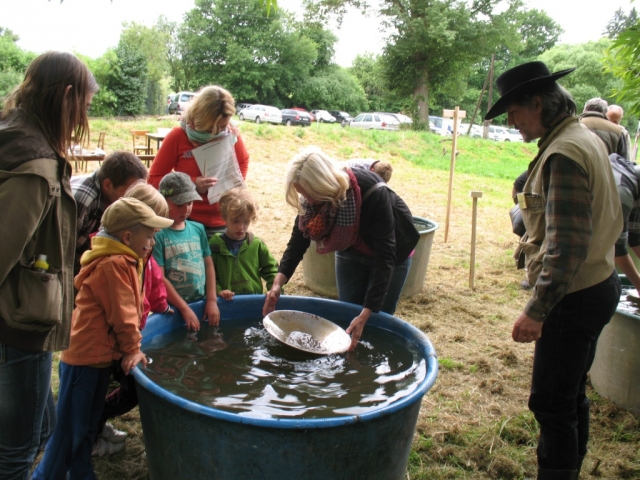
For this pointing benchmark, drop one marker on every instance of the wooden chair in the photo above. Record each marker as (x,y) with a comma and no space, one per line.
(140,144)
(101,138)
(147,159)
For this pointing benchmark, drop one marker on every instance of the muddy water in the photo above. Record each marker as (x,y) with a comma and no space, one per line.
(240,368)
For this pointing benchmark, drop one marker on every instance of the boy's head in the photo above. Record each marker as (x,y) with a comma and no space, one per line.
(383,169)
(118,172)
(180,193)
(148,195)
(133,223)
(238,209)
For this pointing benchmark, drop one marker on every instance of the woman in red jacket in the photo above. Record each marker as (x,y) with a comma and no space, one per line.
(206,120)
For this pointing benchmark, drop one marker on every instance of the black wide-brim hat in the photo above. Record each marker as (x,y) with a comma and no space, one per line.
(517,81)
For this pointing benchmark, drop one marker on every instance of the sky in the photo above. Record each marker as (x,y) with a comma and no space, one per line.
(90,27)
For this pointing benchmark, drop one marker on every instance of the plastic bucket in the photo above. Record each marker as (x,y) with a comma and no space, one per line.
(615,372)
(185,440)
(319,270)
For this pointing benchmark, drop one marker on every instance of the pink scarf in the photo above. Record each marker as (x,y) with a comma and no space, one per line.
(333,228)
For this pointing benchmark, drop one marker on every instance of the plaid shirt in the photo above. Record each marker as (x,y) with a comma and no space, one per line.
(86,191)
(568,232)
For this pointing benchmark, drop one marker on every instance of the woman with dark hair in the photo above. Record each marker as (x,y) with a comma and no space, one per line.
(38,238)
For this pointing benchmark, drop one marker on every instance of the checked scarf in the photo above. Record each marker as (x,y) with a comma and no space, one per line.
(334,228)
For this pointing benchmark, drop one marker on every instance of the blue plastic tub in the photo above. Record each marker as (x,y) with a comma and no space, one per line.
(185,440)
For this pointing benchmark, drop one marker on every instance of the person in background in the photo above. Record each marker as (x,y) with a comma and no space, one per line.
(38,220)
(96,191)
(241,259)
(183,254)
(594,118)
(124,398)
(207,119)
(572,215)
(615,114)
(104,328)
(350,212)
(383,169)
(627,180)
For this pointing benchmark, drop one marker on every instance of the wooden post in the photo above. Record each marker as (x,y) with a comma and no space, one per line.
(456,114)
(474,215)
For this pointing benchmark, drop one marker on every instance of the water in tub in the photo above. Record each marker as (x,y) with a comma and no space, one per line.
(238,367)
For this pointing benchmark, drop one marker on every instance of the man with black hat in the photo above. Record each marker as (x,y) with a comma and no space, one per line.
(571,210)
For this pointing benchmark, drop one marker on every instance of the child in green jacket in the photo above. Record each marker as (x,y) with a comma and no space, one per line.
(241,260)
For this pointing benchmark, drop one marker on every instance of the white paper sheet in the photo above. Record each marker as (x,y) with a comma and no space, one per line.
(218,159)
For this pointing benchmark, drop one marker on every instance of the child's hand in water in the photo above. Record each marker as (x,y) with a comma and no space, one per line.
(191,320)
(212,313)
(226,294)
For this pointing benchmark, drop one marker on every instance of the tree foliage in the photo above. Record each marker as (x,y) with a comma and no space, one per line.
(620,22)
(127,79)
(623,62)
(13,61)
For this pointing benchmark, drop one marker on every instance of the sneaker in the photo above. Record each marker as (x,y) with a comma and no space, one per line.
(112,435)
(104,447)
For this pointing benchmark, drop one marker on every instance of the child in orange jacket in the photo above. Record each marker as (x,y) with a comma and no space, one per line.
(105,327)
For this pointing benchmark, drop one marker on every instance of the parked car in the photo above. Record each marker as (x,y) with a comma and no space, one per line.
(444,126)
(403,118)
(179,102)
(476,130)
(242,106)
(377,121)
(295,117)
(323,116)
(298,109)
(514,135)
(342,117)
(499,134)
(261,113)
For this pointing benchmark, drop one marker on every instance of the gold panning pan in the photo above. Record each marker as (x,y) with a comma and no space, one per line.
(307,332)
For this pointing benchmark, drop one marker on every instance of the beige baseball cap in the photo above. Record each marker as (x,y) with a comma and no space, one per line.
(127,212)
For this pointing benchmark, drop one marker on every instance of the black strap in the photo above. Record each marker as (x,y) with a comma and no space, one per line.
(374,188)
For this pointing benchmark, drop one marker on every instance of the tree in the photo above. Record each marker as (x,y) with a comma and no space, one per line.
(334,88)
(623,61)
(13,61)
(127,80)
(435,43)
(234,44)
(620,22)
(152,43)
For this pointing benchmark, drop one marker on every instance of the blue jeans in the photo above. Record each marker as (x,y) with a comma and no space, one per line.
(563,356)
(27,409)
(353,278)
(80,405)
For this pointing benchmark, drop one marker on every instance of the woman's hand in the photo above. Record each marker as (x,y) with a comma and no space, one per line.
(270,302)
(357,326)
(204,183)
(273,295)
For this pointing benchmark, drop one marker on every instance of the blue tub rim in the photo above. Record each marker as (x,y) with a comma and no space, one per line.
(290,302)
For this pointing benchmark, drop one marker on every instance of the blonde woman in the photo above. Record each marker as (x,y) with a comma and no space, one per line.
(207,119)
(352,213)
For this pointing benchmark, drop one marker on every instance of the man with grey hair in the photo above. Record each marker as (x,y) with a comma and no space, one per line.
(571,210)
(595,119)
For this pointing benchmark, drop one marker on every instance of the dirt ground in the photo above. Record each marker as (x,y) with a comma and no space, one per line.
(474,422)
